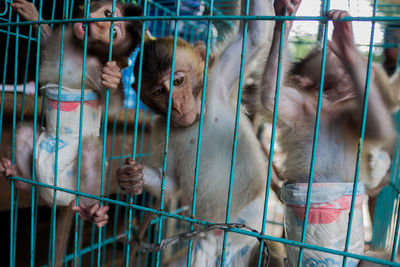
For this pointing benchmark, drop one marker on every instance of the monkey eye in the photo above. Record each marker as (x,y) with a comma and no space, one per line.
(179,81)
(115,33)
(107,13)
(159,92)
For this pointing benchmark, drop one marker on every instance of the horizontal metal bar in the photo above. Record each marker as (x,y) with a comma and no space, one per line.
(90,248)
(139,155)
(19,35)
(201,222)
(206,18)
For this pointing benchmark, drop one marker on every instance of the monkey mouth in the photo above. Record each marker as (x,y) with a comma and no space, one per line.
(79,30)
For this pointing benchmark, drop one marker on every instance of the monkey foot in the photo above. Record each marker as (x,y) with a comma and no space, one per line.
(93,213)
(4,165)
(7,170)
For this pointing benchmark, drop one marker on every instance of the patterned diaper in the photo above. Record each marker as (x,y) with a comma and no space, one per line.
(327,222)
(45,161)
(207,250)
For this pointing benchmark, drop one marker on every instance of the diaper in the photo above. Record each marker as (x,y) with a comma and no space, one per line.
(207,250)
(62,172)
(327,224)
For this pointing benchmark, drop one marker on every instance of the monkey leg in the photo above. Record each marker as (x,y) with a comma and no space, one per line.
(23,158)
(90,183)
(91,169)
(64,222)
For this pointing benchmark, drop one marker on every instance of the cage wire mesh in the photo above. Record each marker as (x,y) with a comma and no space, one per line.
(32,227)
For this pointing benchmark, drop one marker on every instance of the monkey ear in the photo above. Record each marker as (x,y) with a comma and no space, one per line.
(132,10)
(200,50)
(302,82)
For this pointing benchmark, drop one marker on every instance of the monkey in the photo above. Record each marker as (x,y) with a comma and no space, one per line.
(340,112)
(99,75)
(249,179)
(341,108)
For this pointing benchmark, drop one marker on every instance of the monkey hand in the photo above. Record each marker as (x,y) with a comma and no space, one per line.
(130,177)
(95,213)
(342,43)
(286,8)
(26,9)
(111,75)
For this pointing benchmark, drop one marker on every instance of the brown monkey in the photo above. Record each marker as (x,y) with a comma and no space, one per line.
(99,75)
(340,124)
(249,182)
(342,100)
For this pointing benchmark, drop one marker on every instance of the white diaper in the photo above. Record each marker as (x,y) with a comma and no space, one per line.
(70,107)
(207,250)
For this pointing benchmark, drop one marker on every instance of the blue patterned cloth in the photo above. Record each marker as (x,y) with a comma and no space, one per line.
(128,79)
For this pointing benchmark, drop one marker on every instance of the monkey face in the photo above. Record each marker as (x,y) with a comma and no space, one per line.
(186,101)
(100,30)
(187,79)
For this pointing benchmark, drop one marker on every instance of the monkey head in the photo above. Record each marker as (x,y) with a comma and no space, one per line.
(306,76)
(187,79)
(126,34)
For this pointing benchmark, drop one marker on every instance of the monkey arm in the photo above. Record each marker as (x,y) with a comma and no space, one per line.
(395,83)
(257,37)
(152,182)
(29,12)
(291,102)
(379,122)
(107,77)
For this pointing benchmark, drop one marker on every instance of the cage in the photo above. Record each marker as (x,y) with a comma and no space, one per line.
(51,235)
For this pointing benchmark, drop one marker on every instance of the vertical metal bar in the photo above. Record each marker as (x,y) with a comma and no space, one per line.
(115,119)
(139,81)
(13,202)
(155,22)
(1,125)
(28,53)
(200,132)
(362,133)
(272,142)
(171,85)
(34,192)
(54,206)
(78,171)
(236,131)
(104,157)
(4,77)
(396,235)
(116,212)
(315,141)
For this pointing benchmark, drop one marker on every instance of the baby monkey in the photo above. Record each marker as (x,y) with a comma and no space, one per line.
(99,75)
(341,109)
(342,103)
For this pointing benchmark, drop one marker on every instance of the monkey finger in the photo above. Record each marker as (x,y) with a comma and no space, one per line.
(98,219)
(111,79)
(112,63)
(138,191)
(113,68)
(108,85)
(102,223)
(129,161)
(92,210)
(101,211)
(123,169)
(5,162)
(113,73)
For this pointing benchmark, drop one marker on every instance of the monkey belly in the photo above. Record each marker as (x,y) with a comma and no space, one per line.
(68,142)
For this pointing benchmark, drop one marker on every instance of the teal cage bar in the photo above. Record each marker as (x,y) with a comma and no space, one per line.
(32,226)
